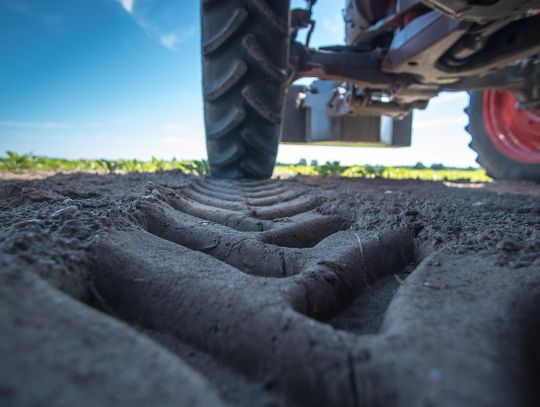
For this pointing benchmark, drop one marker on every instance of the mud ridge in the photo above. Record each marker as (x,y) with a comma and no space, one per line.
(320,265)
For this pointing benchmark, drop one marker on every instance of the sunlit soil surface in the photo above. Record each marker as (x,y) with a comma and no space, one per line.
(171,289)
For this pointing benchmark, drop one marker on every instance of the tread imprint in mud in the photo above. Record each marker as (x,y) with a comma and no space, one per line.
(244,53)
(266,259)
(255,278)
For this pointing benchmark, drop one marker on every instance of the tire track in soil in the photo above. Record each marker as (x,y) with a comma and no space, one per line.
(273,301)
(244,271)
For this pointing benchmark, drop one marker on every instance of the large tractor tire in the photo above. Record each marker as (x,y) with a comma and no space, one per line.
(245,57)
(506,139)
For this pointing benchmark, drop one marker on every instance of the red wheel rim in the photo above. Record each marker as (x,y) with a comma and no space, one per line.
(515,133)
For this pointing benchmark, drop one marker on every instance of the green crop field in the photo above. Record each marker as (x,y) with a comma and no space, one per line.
(17,163)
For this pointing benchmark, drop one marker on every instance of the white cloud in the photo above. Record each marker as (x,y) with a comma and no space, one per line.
(168,38)
(169,41)
(172,40)
(127,5)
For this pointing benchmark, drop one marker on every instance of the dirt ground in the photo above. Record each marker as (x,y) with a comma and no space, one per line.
(167,289)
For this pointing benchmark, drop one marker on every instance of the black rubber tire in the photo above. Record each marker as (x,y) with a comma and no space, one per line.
(245,56)
(496,164)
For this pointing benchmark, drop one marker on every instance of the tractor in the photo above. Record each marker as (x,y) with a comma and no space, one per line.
(398,54)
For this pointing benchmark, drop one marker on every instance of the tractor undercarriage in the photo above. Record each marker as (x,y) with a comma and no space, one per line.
(401,54)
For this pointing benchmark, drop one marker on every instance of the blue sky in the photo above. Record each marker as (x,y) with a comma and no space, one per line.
(121,79)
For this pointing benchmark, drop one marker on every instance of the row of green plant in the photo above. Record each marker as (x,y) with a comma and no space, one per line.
(13,162)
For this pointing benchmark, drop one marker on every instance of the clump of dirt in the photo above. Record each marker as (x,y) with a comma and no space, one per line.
(169,289)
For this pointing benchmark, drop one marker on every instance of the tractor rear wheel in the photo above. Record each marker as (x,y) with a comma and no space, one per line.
(245,57)
(507,139)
